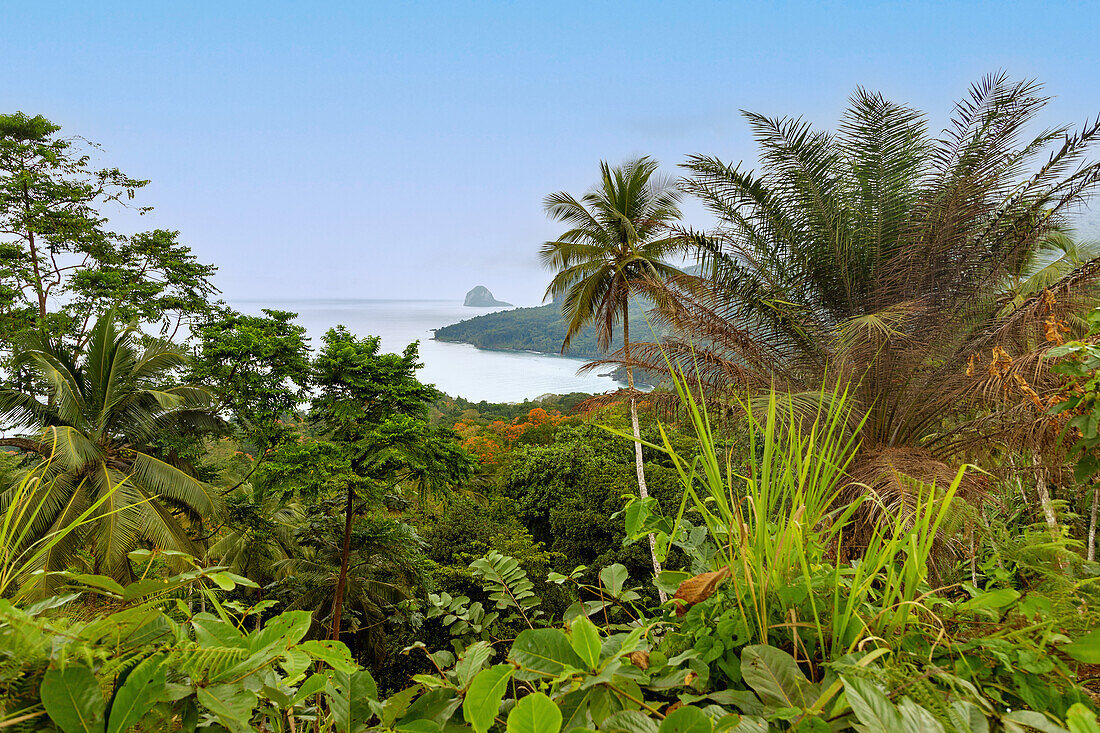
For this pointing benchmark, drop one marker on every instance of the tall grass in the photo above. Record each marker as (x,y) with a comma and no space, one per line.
(22,550)
(781,516)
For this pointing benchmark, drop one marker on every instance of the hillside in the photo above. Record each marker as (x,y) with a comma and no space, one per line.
(540,329)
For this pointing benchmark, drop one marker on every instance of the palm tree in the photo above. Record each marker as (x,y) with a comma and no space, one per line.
(619,240)
(918,268)
(259,534)
(385,567)
(101,411)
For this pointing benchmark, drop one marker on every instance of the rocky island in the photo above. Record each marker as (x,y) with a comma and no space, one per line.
(480,297)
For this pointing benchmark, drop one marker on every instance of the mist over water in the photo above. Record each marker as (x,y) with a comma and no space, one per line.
(460,370)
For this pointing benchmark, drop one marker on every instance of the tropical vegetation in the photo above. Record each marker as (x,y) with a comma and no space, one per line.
(861,496)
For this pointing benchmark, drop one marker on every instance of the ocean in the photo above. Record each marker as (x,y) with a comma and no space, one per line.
(459,370)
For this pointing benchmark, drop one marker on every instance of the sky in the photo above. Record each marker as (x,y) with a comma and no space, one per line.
(403,150)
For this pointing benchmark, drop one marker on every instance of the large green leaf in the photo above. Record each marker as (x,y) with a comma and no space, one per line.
(1086,649)
(628,721)
(775,677)
(281,632)
(473,659)
(144,686)
(231,704)
(687,719)
(535,713)
(484,696)
(350,696)
(72,699)
(333,653)
(586,641)
(436,705)
(871,706)
(547,652)
(1081,720)
(1019,721)
(917,719)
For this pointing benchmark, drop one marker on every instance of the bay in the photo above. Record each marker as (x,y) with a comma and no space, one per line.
(460,370)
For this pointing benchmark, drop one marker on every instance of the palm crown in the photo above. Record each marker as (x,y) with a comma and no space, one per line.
(102,411)
(619,238)
(893,259)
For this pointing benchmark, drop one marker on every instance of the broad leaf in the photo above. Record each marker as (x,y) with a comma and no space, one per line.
(72,699)
(231,704)
(350,696)
(333,653)
(473,659)
(535,713)
(687,719)
(613,577)
(776,678)
(1021,720)
(545,651)
(144,686)
(871,706)
(628,721)
(484,696)
(1086,649)
(586,641)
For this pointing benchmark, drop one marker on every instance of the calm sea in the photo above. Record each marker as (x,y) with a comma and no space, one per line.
(460,370)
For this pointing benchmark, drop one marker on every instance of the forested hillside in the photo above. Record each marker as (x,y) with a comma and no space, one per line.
(540,329)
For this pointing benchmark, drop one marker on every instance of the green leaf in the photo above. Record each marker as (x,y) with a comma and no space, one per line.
(473,659)
(436,705)
(776,678)
(144,686)
(72,699)
(535,713)
(1086,649)
(687,719)
(350,696)
(484,696)
(872,707)
(333,653)
(314,684)
(628,721)
(231,704)
(916,719)
(1031,719)
(993,599)
(613,577)
(586,642)
(545,651)
(1081,720)
(669,580)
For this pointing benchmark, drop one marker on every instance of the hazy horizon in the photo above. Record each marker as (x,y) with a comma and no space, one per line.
(403,151)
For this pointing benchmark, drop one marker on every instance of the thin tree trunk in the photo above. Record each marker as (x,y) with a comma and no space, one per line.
(1092,523)
(345,555)
(642,491)
(38,287)
(1044,494)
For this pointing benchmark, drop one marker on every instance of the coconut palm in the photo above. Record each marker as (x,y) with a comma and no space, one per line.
(918,268)
(619,240)
(100,412)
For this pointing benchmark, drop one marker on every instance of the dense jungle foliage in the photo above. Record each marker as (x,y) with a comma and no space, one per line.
(863,496)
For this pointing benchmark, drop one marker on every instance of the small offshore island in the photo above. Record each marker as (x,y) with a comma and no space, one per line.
(480,297)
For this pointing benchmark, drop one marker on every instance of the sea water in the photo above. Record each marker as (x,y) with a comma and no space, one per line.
(460,370)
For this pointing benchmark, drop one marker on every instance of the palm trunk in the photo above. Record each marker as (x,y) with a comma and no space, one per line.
(1092,523)
(642,491)
(345,555)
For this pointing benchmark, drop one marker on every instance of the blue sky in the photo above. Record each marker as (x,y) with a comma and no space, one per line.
(387,150)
